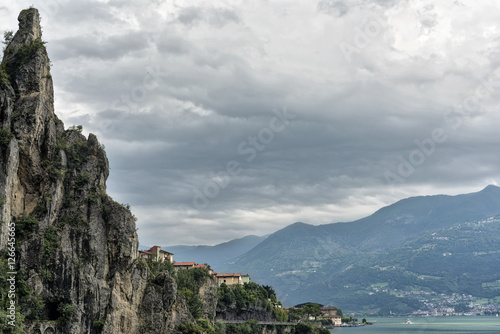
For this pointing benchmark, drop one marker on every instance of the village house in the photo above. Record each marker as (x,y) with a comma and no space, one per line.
(331,313)
(184,265)
(245,279)
(157,254)
(190,265)
(229,279)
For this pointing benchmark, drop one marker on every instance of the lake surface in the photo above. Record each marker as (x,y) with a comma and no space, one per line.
(438,325)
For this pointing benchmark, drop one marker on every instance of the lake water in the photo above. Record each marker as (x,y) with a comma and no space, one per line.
(438,325)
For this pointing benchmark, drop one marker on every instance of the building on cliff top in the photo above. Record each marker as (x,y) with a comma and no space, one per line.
(331,313)
(190,265)
(245,279)
(184,265)
(157,254)
(229,279)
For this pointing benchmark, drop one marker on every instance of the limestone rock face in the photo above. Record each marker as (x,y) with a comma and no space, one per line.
(208,296)
(253,312)
(77,248)
(161,310)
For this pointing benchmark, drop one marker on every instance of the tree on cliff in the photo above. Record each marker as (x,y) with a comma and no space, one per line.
(75,248)
(312,310)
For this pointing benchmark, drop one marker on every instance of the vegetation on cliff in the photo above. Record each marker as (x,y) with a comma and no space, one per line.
(75,252)
(75,249)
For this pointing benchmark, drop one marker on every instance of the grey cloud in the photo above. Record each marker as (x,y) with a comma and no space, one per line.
(333,7)
(220,18)
(217,17)
(353,121)
(190,15)
(74,12)
(428,19)
(101,47)
(172,44)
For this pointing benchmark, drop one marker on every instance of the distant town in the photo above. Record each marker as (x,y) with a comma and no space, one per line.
(436,304)
(439,304)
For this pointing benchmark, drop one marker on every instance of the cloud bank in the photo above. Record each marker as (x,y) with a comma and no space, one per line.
(235,117)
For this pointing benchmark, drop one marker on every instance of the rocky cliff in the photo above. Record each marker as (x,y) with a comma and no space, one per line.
(252,312)
(76,248)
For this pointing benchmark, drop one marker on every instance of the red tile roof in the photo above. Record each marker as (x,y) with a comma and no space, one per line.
(155,248)
(229,275)
(184,263)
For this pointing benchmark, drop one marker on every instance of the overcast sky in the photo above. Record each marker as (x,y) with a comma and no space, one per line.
(226,118)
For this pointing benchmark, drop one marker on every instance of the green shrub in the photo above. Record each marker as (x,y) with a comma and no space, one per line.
(246,295)
(6,328)
(5,137)
(206,326)
(248,327)
(35,304)
(99,324)
(193,302)
(67,313)
(302,328)
(280,314)
(22,56)
(46,275)
(220,327)
(51,243)
(25,225)
(202,326)
(41,206)
(191,278)
(157,267)
(81,180)
(77,154)
(188,284)
(190,328)
(4,77)
(77,128)
(8,36)
(225,296)
(61,142)
(55,171)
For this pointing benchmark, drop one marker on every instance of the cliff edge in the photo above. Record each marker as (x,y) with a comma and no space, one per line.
(75,248)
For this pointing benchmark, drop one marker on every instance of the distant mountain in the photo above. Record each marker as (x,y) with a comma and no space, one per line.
(218,255)
(398,247)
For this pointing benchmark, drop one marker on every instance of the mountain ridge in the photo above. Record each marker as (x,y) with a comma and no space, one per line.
(303,257)
(216,255)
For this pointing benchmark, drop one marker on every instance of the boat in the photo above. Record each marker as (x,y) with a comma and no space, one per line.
(408,322)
